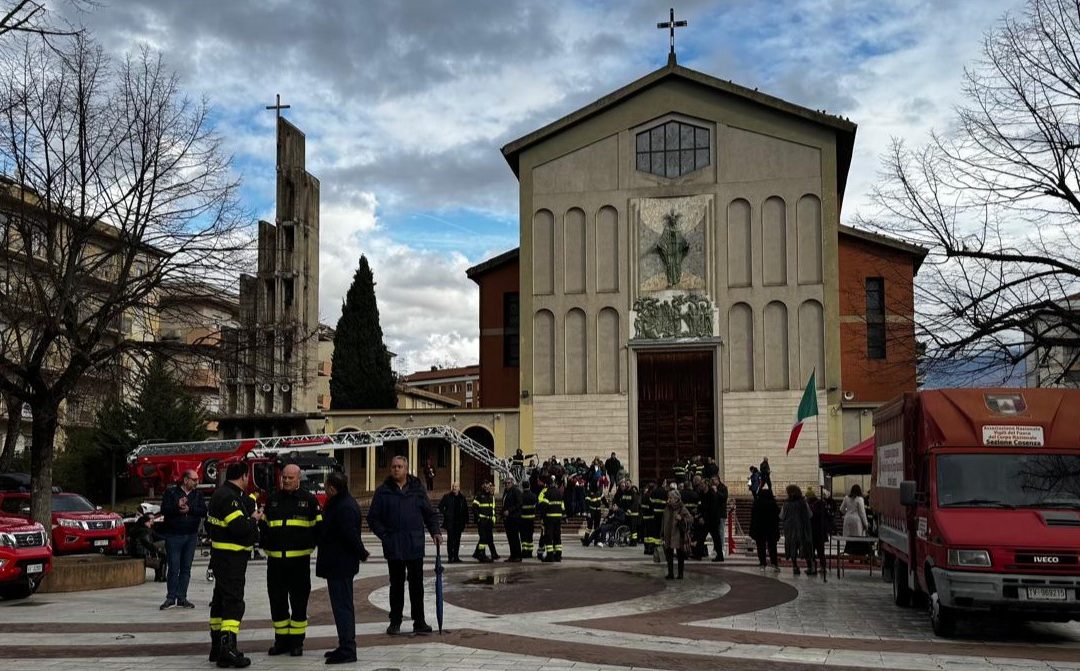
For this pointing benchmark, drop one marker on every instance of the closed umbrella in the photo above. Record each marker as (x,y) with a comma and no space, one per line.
(438,586)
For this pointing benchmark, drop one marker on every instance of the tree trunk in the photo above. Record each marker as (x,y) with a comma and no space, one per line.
(14,427)
(42,452)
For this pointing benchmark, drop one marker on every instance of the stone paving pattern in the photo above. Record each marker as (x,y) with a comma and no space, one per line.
(601,609)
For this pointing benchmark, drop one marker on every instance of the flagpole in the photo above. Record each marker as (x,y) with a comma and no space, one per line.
(817,419)
(817,433)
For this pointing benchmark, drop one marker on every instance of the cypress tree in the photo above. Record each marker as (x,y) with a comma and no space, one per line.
(361,378)
(164,409)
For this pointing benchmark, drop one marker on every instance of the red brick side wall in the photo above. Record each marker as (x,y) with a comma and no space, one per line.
(876,380)
(500,384)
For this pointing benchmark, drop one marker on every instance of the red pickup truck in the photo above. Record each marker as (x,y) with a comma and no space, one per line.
(25,557)
(77,524)
(978,497)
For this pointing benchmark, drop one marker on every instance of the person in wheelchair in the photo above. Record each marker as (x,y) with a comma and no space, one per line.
(144,544)
(605,534)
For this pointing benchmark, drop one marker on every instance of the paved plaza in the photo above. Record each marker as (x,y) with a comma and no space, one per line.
(602,608)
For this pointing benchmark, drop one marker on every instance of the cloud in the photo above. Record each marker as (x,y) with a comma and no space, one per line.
(405,106)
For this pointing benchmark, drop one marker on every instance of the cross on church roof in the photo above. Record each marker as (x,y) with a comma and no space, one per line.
(671,25)
(277,107)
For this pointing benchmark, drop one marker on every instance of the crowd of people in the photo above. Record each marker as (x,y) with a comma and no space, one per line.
(675,519)
(289,528)
(804,521)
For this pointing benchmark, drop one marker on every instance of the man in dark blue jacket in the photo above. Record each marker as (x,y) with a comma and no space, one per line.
(184,508)
(400,513)
(340,552)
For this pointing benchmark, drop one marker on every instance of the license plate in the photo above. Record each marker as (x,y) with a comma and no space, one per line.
(1046,593)
(35,568)
(101,543)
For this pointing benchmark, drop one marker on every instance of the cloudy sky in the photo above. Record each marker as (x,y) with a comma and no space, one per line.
(405,104)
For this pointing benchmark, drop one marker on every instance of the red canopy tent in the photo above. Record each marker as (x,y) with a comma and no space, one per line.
(856,460)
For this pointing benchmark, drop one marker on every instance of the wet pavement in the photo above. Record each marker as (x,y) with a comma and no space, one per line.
(601,608)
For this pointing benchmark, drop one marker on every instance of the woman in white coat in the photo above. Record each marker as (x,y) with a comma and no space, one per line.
(855,524)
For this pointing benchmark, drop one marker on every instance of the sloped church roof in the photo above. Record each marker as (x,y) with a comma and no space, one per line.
(845,129)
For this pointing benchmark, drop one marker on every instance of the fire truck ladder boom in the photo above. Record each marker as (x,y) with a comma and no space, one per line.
(320,442)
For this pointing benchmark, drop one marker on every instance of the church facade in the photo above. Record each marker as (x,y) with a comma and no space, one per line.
(679,277)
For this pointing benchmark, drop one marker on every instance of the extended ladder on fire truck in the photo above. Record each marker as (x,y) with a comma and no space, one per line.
(320,442)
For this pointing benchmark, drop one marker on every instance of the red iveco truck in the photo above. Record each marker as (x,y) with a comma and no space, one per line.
(978,497)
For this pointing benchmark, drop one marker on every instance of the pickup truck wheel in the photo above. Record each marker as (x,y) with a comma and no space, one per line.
(942,618)
(901,593)
(20,591)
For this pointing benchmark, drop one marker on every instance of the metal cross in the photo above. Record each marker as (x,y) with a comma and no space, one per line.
(671,25)
(277,107)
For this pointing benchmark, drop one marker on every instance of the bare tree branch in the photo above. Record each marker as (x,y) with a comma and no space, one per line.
(997,200)
(116,189)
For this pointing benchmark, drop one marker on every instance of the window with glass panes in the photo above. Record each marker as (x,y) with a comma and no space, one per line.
(875,318)
(672,149)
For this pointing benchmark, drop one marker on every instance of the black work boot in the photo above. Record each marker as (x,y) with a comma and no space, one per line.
(281,645)
(215,645)
(296,646)
(230,657)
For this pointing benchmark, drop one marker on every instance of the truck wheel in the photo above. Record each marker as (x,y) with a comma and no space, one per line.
(20,591)
(942,618)
(210,468)
(901,592)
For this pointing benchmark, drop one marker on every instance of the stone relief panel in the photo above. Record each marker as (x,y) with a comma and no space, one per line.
(608,340)
(543,253)
(776,346)
(812,342)
(543,352)
(774,242)
(671,243)
(740,347)
(574,251)
(808,227)
(740,259)
(607,250)
(674,315)
(577,352)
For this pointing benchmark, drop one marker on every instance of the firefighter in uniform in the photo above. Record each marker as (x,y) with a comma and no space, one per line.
(290,531)
(658,501)
(484,515)
(528,519)
(234,527)
(624,498)
(681,469)
(646,517)
(550,508)
(593,502)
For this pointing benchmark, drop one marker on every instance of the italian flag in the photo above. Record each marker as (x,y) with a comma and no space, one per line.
(807,408)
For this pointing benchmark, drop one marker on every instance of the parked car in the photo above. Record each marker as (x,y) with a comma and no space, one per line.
(77,524)
(25,557)
(14,482)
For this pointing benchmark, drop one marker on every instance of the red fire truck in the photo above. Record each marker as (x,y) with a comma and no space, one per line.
(158,465)
(978,492)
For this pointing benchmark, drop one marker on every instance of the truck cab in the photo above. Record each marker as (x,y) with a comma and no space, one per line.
(77,524)
(264,472)
(979,496)
(25,557)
